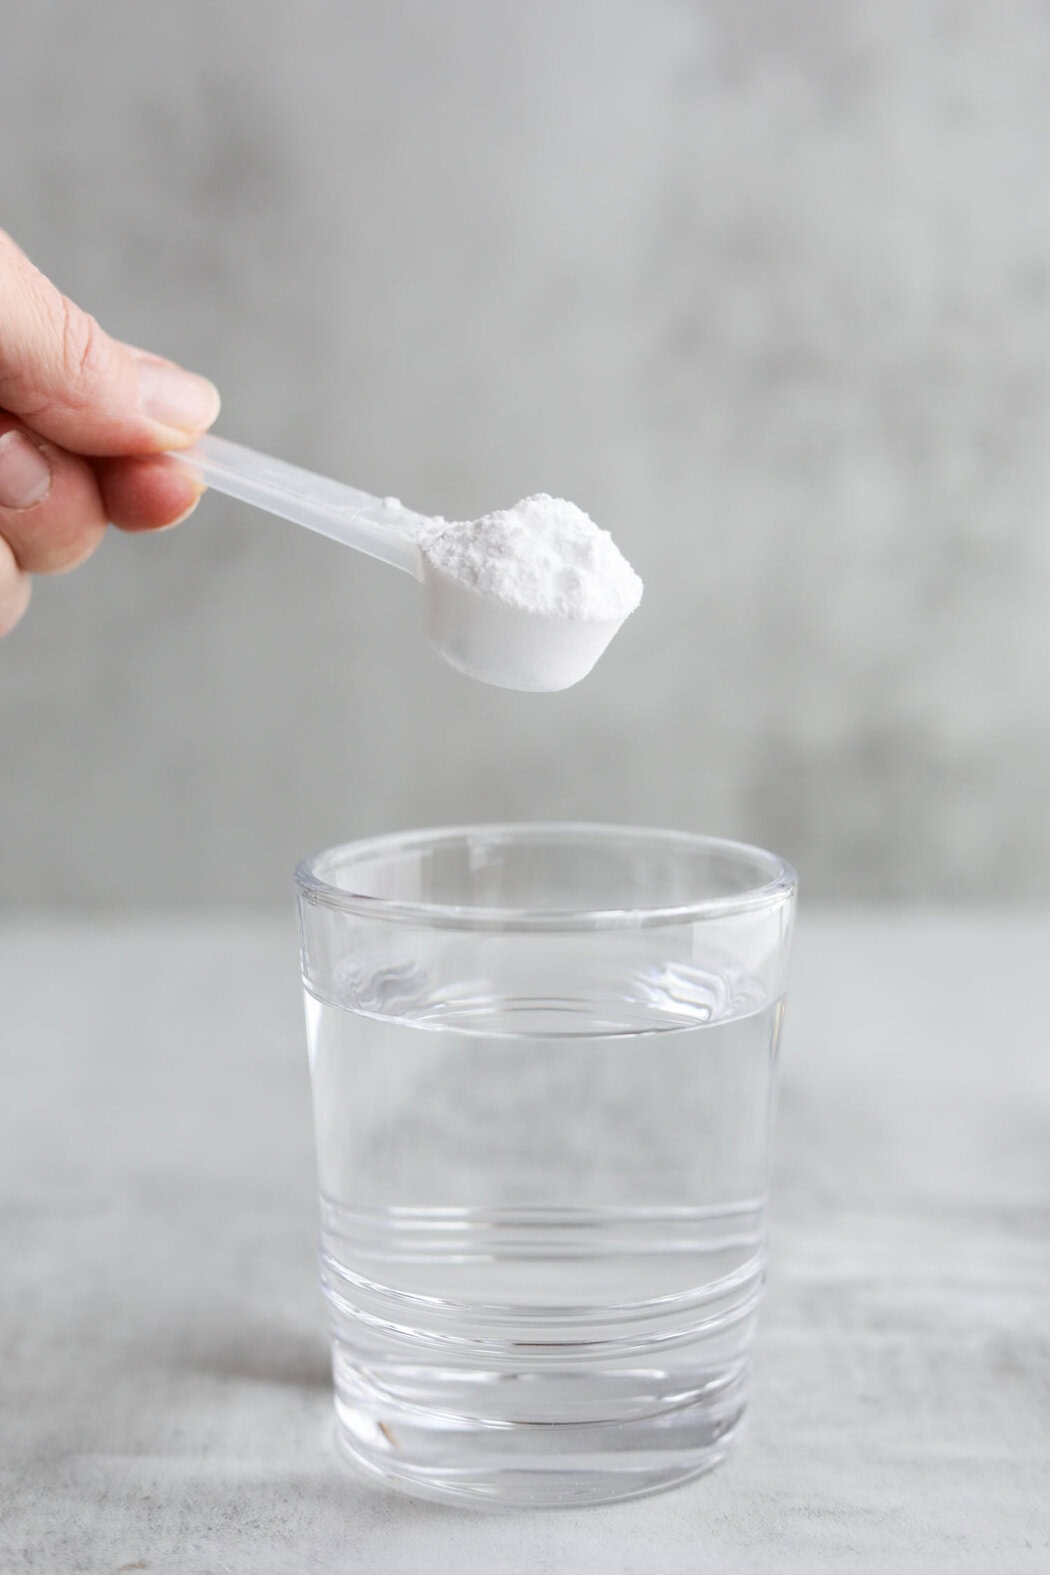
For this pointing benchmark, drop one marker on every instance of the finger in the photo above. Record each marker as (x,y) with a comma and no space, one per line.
(146,493)
(73,384)
(14,589)
(51,512)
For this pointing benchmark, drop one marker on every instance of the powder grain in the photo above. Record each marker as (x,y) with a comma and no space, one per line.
(544,555)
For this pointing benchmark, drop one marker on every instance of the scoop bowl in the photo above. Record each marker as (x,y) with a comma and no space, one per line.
(509,646)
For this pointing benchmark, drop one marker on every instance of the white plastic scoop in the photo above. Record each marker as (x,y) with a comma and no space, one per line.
(479,634)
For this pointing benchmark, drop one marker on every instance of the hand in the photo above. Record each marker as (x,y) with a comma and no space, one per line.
(80,417)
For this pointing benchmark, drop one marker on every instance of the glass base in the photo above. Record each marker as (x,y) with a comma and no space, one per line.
(594,1458)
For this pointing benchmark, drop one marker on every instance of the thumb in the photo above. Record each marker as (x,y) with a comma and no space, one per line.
(72,383)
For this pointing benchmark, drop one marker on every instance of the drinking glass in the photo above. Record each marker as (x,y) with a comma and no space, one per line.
(543,1068)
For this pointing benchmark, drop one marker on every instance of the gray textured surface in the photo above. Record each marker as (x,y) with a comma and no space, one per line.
(164,1377)
(765,287)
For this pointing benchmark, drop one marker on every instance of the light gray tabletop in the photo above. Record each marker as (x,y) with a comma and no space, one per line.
(165,1399)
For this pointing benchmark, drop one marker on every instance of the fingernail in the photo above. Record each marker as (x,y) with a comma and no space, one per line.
(177,398)
(25,475)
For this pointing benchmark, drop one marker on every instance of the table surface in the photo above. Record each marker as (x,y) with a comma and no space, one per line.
(164,1387)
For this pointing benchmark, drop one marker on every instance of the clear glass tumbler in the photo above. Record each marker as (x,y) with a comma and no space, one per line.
(543,1062)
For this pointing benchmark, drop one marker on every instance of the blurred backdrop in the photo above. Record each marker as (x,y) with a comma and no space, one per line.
(764,287)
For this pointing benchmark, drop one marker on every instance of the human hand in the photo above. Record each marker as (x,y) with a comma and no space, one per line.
(83,423)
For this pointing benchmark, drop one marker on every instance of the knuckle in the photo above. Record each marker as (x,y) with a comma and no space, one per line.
(82,347)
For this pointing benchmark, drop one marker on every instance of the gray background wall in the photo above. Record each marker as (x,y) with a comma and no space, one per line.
(765,287)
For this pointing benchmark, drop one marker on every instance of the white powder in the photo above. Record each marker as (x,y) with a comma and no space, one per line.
(542,556)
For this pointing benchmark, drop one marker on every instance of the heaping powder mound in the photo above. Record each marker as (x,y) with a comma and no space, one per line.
(544,555)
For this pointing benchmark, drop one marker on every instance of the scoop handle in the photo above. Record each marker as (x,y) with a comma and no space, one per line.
(382,527)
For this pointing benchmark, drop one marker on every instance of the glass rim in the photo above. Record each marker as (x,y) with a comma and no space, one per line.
(780,886)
